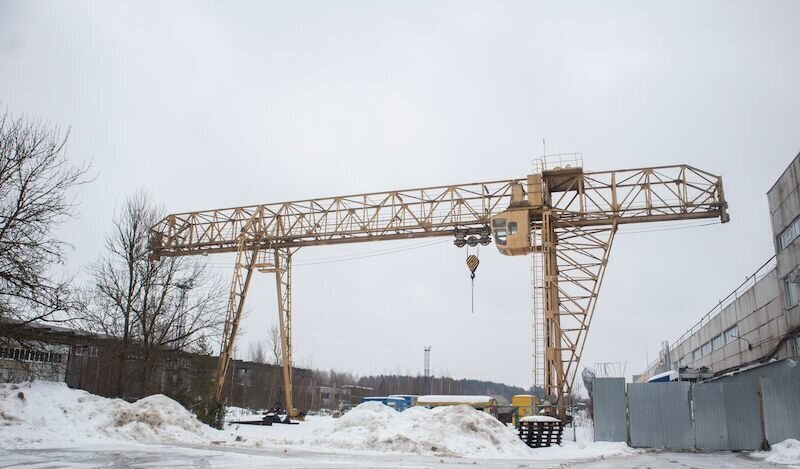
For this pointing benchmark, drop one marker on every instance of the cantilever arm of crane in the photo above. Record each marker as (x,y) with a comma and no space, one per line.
(594,198)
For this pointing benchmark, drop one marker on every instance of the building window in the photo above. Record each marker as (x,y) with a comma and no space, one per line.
(697,354)
(13,353)
(789,234)
(731,334)
(790,289)
(717,342)
(706,348)
(797,345)
(243,378)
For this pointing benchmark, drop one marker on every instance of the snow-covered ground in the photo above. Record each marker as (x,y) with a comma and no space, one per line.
(46,424)
(47,414)
(457,431)
(786,452)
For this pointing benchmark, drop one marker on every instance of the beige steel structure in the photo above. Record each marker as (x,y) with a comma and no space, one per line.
(571,218)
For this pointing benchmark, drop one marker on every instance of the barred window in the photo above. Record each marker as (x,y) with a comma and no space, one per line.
(23,354)
(789,234)
(790,292)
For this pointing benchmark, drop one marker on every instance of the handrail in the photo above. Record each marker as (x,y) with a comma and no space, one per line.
(755,277)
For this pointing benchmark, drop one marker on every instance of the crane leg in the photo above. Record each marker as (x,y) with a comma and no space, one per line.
(242,275)
(554,367)
(571,270)
(283,282)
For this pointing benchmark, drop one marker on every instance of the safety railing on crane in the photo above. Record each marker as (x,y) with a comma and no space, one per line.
(557,161)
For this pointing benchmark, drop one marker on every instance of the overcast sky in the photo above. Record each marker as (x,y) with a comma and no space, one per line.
(219,104)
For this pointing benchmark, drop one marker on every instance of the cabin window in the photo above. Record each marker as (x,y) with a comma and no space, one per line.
(500,236)
(512,229)
(499,222)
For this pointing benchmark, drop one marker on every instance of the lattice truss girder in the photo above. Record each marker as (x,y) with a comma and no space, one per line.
(390,215)
(625,196)
(639,195)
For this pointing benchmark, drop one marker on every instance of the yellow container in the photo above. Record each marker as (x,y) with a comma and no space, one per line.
(524,404)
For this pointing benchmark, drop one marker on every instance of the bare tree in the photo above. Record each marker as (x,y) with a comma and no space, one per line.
(275,344)
(175,303)
(36,185)
(258,352)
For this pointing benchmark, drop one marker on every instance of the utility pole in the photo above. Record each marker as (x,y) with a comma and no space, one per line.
(428,369)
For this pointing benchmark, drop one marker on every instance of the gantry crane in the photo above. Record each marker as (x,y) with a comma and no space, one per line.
(564,217)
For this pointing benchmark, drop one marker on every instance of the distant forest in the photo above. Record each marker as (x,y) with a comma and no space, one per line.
(385,385)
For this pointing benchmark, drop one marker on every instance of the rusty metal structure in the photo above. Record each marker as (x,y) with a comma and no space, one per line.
(563,217)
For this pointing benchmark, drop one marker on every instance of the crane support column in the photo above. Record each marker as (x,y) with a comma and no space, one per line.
(283,283)
(574,264)
(554,369)
(242,275)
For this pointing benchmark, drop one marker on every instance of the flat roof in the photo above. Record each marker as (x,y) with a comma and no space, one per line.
(783,173)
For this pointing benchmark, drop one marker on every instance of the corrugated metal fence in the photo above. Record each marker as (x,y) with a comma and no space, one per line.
(610,418)
(669,406)
(728,414)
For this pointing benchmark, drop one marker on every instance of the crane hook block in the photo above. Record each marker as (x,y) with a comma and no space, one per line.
(472,264)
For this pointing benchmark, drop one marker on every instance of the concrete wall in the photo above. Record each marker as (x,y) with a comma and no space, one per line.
(784,208)
(757,313)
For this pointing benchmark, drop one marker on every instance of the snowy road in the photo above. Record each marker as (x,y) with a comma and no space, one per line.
(176,457)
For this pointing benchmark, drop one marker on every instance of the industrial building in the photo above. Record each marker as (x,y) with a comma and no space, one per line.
(759,321)
(32,351)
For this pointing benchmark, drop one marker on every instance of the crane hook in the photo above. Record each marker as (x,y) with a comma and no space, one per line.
(472,265)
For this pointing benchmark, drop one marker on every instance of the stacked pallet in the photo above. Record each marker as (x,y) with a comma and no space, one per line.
(539,431)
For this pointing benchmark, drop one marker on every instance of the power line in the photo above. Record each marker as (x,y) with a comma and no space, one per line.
(673,228)
(385,252)
(374,254)
(351,257)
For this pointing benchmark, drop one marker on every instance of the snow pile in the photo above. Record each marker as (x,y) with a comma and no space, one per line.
(233,413)
(458,431)
(785,452)
(425,400)
(443,431)
(47,413)
(538,418)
